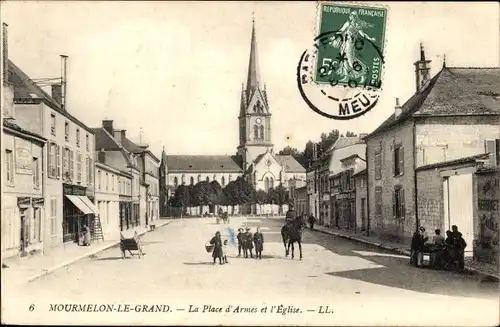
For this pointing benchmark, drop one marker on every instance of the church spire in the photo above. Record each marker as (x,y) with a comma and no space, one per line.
(253,78)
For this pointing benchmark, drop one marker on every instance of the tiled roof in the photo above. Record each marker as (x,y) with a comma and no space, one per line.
(361,172)
(453,91)
(134,148)
(459,161)
(203,163)
(345,141)
(103,140)
(290,163)
(24,87)
(10,124)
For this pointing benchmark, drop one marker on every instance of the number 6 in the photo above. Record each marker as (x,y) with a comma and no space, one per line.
(32,307)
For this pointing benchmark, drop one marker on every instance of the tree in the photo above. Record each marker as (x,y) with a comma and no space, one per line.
(261,197)
(182,197)
(201,194)
(281,196)
(288,150)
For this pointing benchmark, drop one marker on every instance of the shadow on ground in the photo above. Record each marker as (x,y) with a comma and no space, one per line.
(199,263)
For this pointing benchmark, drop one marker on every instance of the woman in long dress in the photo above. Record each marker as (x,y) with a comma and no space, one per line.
(349,37)
(86,235)
(216,241)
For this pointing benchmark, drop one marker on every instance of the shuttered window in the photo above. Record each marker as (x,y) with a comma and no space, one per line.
(378,166)
(378,200)
(398,203)
(398,163)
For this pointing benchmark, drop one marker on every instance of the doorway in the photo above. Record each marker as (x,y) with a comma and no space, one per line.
(24,232)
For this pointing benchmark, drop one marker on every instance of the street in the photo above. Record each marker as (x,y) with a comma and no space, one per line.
(337,282)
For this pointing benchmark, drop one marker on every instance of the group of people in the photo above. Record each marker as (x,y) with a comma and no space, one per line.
(444,252)
(246,242)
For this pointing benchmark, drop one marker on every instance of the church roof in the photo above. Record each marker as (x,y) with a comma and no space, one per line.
(290,164)
(203,163)
(452,92)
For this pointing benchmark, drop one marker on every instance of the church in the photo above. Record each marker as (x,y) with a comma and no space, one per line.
(255,157)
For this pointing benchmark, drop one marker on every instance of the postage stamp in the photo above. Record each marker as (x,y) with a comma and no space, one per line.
(352,40)
(341,75)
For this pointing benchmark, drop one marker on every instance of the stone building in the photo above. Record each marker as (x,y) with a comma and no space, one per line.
(255,158)
(451,116)
(108,199)
(360,178)
(300,200)
(111,152)
(70,166)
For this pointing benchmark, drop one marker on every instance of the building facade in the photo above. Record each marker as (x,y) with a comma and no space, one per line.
(108,199)
(112,153)
(255,157)
(300,200)
(452,116)
(360,178)
(70,148)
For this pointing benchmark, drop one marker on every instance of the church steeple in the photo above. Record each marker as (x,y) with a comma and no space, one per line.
(253,78)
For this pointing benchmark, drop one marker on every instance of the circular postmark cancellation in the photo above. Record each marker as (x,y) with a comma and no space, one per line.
(340,77)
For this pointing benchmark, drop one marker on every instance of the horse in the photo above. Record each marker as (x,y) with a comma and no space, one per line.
(292,232)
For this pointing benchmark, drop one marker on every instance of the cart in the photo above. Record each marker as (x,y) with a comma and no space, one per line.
(131,244)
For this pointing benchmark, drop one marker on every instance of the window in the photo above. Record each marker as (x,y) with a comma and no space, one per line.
(183,179)
(398,202)
(90,171)
(78,137)
(261,129)
(9,166)
(215,177)
(230,178)
(256,132)
(378,166)
(112,182)
(176,182)
(71,164)
(53,217)
(53,162)
(398,160)
(65,164)
(493,148)
(58,161)
(199,178)
(378,200)
(223,181)
(66,131)
(36,173)
(53,124)
(106,182)
(78,167)
(87,145)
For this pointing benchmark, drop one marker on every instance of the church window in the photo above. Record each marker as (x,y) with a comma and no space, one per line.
(199,178)
(208,179)
(256,132)
(215,177)
(183,179)
(230,178)
(261,132)
(223,181)
(266,184)
(176,182)
(192,180)
(271,183)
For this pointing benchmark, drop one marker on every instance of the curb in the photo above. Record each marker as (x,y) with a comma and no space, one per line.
(86,255)
(398,250)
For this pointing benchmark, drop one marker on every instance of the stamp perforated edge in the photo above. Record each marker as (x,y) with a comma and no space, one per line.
(351,3)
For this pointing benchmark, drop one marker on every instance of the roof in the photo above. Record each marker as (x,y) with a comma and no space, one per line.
(290,163)
(24,87)
(345,141)
(360,173)
(134,148)
(355,155)
(9,124)
(203,163)
(103,140)
(453,91)
(458,161)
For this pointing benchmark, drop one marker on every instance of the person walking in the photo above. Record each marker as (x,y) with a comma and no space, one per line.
(240,240)
(248,243)
(312,220)
(217,243)
(258,239)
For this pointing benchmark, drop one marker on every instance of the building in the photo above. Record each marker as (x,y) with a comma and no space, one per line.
(149,166)
(300,200)
(107,195)
(360,178)
(452,116)
(112,153)
(70,145)
(23,184)
(255,157)
(312,192)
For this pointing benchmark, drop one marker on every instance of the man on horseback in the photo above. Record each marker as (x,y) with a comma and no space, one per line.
(291,232)
(291,214)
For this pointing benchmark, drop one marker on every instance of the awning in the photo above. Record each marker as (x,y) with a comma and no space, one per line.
(79,204)
(89,204)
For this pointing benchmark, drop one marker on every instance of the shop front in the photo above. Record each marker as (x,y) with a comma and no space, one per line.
(125,207)
(345,209)
(78,211)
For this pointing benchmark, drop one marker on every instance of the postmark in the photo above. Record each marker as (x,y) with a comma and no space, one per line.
(341,75)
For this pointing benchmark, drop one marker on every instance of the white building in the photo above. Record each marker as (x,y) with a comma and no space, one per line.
(107,195)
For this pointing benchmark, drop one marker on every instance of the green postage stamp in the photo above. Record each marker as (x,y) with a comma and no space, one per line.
(350,45)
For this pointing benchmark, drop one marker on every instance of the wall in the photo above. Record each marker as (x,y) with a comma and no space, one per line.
(430,200)
(202,176)
(30,117)
(107,201)
(361,193)
(385,224)
(448,138)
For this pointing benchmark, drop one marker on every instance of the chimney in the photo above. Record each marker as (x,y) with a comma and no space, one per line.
(57,93)
(119,135)
(422,70)
(397,109)
(108,126)
(5,53)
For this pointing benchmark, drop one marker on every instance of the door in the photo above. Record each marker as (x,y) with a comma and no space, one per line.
(363,217)
(459,207)
(23,239)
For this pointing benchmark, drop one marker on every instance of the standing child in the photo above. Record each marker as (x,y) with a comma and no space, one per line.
(224,251)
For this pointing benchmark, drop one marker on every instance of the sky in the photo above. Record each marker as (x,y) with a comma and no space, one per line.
(176,69)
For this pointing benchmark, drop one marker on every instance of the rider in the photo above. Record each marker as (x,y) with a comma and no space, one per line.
(291,214)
